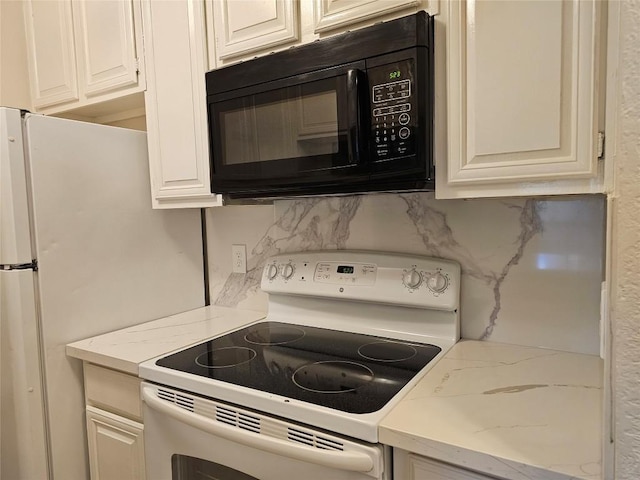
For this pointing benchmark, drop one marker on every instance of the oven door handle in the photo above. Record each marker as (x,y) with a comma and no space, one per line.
(349,461)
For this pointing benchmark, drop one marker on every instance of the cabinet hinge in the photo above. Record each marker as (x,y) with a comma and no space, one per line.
(600,145)
(137,66)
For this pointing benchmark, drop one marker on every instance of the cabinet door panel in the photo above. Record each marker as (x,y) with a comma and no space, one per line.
(52,62)
(522,91)
(504,61)
(116,446)
(245,27)
(106,45)
(333,14)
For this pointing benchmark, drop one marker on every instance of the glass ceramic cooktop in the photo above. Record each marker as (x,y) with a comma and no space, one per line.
(350,372)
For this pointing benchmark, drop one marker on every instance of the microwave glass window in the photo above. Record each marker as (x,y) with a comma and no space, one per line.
(293,122)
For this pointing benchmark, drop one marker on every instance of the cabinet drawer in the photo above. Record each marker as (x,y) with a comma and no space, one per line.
(113,391)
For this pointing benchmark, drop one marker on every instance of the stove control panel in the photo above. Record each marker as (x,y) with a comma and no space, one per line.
(366,276)
(345,273)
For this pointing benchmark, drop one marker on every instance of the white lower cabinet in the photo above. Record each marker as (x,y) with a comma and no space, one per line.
(115,432)
(410,466)
(116,446)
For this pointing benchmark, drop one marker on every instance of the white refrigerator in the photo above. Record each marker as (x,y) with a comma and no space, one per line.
(81,253)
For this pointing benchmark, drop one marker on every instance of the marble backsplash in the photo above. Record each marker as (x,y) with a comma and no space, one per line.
(531,268)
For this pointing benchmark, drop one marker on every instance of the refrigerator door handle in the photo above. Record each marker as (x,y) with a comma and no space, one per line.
(33,265)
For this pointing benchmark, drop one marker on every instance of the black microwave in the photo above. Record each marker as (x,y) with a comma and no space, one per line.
(346,114)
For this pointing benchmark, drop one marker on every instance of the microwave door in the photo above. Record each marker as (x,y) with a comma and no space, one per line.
(291,133)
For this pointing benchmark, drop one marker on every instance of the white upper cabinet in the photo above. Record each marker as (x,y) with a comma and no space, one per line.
(333,14)
(242,28)
(176,105)
(106,45)
(52,58)
(521,97)
(83,52)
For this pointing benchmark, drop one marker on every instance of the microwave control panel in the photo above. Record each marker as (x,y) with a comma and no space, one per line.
(393,110)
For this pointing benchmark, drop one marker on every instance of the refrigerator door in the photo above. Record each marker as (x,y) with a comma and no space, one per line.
(22,423)
(106,260)
(15,243)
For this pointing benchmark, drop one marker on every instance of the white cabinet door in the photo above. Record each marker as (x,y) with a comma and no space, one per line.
(52,58)
(410,466)
(243,28)
(176,108)
(85,53)
(106,45)
(336,14)
(116,446)
(521,93)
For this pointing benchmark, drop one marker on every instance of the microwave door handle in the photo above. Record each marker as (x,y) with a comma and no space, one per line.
(342,460)
(355,114)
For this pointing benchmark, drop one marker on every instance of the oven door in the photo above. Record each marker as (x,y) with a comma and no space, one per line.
(188,437)
(291,134)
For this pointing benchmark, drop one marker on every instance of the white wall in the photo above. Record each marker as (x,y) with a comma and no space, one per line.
(14,73)
(626,252)
(134,123)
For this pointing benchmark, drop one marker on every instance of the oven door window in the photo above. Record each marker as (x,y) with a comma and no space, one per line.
(293,130)
(190,468)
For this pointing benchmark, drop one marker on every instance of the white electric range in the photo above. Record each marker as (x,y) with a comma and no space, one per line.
(304,390)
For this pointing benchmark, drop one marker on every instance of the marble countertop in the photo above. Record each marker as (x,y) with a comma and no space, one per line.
(125,349)
(514,412)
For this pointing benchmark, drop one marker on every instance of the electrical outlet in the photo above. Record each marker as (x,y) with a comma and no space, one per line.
(239,258)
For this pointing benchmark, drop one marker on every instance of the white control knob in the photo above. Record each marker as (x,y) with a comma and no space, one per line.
(287,271)
(437,282)
(412,279)
(272,271)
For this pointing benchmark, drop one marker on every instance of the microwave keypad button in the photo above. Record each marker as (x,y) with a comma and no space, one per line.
(404,133)
(404,119)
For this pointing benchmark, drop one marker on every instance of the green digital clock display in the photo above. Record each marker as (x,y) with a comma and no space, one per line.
(394,75)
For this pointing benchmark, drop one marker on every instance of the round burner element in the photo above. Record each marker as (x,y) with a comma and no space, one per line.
(387,351)
(225,357)
(276,335)
(332,376)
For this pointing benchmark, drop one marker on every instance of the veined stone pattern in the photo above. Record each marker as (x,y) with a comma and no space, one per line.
(531,268)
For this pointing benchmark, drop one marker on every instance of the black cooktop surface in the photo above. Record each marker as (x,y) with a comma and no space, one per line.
(350,372)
